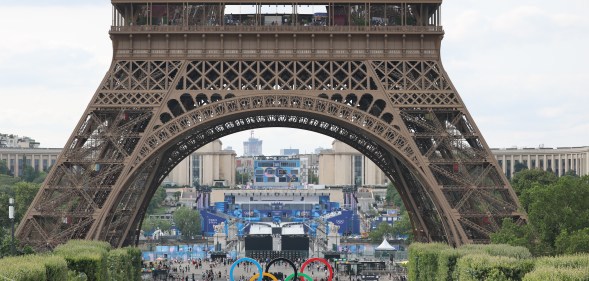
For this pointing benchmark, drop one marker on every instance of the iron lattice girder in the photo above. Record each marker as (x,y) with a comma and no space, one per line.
(147,115)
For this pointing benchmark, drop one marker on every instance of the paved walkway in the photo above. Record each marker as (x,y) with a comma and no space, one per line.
(245,270)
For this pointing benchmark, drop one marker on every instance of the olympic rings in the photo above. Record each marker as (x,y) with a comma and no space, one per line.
(324,261)
(300,274)
(255,262)
(265,274)
(294,275)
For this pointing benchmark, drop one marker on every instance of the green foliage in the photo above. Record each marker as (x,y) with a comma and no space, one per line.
(177,195)
(4,168)
(34,267)
(499,250)
(568,261)
(313,178)
(85,256)
(150,224)
(55,266)
(7,181)
(558,214)
(423,261)
(136,263)
(73,275)
(381,231)
(513,234)
(526,181)
(447,260)
(562,206)
(571,243)
(119,265)
(24,193)
(404,227)
(188,221)
(29,174)
(571,267)
(477,267)
(158,197)
(560,274)
(21,269)
(393,197)
(440,262)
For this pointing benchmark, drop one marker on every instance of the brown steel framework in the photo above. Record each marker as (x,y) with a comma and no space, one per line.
(173,88)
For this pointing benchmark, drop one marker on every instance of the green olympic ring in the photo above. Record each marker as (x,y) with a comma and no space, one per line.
(299,274)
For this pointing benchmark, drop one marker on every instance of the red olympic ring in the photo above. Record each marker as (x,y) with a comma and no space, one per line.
(323,261)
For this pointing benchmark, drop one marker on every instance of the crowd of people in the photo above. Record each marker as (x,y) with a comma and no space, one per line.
(218,270)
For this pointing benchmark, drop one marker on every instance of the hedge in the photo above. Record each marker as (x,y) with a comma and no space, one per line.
(447,260)
(136,262)
(423,261)
(77,260)
(32,267)
(500,250)
(55,267)
(561,274)
(568,261)
(570,267)
(88,257)
(119,265)
(476,267)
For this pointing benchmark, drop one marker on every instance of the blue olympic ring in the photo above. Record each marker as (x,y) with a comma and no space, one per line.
(255,262)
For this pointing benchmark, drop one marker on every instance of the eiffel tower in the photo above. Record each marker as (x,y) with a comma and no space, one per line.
(184,74)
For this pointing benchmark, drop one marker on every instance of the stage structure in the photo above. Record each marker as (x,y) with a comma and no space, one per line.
(183,74)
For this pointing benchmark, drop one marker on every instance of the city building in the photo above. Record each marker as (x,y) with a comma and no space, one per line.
(14,141)
(343,165)
(209,165)
(16,158)
(289,151)
(252,147)
(558,160)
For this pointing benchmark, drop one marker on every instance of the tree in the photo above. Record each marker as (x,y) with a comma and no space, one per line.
(572,243)
(24,193)
(562,206)
(4,168)
(29,174)
(382,230)
(177,195)
(526,181)
(313,178)
(519,166)
(188,221)
(393,197)
(149,224)
(513,234)
(158,197)
(403,227)
(558,213)
(242,178)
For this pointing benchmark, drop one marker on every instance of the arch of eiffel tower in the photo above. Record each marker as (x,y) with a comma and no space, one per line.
(183,74)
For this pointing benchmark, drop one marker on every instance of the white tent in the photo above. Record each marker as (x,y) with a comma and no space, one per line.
(385,246)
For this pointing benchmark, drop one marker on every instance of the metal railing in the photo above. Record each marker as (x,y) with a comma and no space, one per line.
(276,28)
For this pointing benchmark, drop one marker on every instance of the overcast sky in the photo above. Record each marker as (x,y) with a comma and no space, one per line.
(520,67)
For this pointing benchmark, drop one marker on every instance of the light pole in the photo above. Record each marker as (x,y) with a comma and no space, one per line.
(11,217)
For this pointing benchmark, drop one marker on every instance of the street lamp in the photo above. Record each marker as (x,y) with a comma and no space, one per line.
(11,217)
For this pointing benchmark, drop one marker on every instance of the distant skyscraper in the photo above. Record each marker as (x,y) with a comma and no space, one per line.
(289,151)
(252,147)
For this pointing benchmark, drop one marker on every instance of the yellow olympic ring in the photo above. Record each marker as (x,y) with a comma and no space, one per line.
(265,274)
(299,274)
